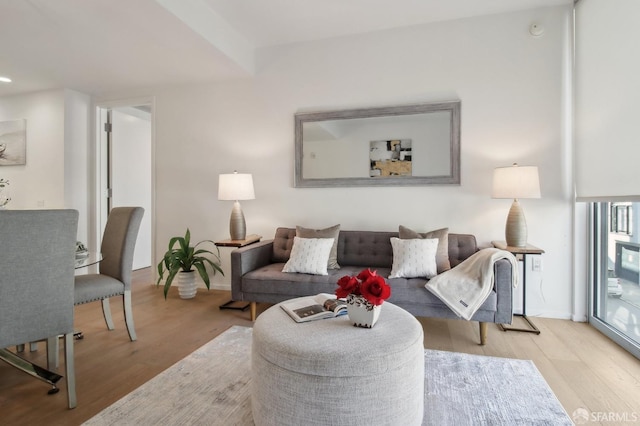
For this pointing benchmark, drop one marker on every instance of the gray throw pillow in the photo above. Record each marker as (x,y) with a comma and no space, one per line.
(442,255)
(332,232)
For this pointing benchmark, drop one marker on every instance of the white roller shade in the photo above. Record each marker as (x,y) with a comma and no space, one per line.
(607,95)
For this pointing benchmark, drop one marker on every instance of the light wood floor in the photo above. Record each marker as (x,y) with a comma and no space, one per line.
(583,367)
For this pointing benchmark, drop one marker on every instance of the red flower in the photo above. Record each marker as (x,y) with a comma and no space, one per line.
(367,283)
(347,286)
(375,289)
(366,274)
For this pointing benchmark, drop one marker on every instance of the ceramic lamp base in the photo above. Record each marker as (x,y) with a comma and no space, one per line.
(516,228)
(237,225)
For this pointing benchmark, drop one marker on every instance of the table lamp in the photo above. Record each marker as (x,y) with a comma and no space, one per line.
(516,182)
(236,186)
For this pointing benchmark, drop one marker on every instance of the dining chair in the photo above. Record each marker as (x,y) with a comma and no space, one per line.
(37,256)
(114,277)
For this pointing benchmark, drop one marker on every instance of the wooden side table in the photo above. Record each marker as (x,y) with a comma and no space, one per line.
(521,254)
(250,239)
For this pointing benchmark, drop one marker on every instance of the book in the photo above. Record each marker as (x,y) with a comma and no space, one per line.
(316,307)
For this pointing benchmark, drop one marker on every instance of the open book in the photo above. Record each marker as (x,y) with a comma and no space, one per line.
(311,308)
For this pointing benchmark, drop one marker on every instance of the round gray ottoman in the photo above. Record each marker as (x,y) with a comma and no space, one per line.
(328,372)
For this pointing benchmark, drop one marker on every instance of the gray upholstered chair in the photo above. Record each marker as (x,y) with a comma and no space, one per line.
(37,257)
(114,279)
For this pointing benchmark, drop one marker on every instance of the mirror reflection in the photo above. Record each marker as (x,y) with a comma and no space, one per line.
(405,145)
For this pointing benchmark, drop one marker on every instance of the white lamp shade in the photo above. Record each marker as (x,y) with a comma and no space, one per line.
(516,182)
(236,186)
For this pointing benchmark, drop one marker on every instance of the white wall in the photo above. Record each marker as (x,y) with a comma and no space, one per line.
(77,116)
(513,92)
(55,172)
(40,182)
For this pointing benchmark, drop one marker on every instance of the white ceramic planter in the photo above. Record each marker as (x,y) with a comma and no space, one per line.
(187,286)
(361,312)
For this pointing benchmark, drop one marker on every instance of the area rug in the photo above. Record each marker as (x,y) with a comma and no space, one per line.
(211,387)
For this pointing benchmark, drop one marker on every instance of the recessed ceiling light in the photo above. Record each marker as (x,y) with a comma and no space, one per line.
(5,79)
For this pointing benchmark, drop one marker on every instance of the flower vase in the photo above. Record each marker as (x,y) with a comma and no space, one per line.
(362,313)
(187,286)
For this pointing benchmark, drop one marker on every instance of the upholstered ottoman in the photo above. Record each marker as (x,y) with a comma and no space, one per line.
(330,372)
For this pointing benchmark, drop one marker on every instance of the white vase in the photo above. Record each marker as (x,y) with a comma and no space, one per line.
(362,313)
(187,287)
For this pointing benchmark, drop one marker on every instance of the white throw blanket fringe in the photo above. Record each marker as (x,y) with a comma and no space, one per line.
(466,287)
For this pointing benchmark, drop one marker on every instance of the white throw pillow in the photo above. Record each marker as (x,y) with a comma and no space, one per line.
(309,256)
(414,258)
(333,232)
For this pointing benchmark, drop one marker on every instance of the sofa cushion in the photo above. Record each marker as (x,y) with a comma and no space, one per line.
(442,256)
(461,246)
(282,244)
(332,232)
(414,258)
(367,249)
(271,283)
(309,256)
(410,292)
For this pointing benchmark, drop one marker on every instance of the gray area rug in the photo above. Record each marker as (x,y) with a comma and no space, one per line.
(211,387)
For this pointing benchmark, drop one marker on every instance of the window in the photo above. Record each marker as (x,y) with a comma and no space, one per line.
(615,287)
(622,218)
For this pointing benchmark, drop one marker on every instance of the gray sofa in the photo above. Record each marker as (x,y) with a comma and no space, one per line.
(256,275)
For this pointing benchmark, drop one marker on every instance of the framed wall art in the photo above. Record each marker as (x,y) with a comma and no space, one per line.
(390,158)
(13,142)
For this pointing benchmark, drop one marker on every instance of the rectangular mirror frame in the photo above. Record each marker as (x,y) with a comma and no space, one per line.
(453,178)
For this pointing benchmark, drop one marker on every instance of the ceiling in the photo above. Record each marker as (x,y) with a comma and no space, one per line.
(98,46)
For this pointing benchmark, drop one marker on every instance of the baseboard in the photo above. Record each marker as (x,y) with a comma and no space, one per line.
(226,287)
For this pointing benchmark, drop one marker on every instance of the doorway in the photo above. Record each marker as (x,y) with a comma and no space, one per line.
(125,159)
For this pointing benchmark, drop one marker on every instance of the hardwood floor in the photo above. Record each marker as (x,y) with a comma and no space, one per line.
(582,366)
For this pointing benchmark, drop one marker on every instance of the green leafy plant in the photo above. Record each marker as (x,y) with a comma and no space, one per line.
(185,257)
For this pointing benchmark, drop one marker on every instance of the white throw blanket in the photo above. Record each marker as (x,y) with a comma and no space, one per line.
(466,287)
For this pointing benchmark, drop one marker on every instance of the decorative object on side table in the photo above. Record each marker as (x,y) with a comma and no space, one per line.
(516,182)
(182,260)
(234,187)
(4,199)
(365,294)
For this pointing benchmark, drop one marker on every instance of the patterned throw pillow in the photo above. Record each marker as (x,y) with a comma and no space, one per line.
(309,256)
(414,258)
(332,232)
(442,256)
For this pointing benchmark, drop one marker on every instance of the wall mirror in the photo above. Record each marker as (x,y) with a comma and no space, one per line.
(386,146)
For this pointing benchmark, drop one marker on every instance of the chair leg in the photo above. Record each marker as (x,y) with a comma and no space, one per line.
(53,360)
(70,370)
(128,315)
(106,311)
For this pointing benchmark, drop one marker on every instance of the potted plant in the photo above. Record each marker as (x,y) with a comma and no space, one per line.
(365,294)
(181,260)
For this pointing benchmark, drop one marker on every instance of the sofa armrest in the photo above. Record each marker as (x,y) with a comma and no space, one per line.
(504,291)
(247,259)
